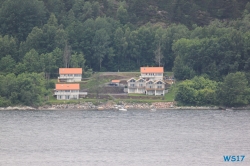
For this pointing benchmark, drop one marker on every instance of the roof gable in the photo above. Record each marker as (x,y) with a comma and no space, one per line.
(70,70)
(67,86)
(152,70)
(131,79)
(141,80)
(150,82)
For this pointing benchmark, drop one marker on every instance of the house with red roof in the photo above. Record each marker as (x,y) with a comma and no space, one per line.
(152,73)
(117,82)
(70,74)
(67,91)
(150,82)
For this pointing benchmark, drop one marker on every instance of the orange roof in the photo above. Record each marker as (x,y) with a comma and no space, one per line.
(152,70)
(70,70)
(67,86)
(115,81)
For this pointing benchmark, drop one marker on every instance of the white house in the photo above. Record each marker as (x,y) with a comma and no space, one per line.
(67,91)
(132,88)
(149,87)
(70,74)
(155,87)
(141,85)
(150,82)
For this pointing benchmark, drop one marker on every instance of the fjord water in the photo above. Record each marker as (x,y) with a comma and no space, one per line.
(132,138)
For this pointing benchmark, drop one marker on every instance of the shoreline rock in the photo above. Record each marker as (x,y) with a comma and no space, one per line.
(113,106)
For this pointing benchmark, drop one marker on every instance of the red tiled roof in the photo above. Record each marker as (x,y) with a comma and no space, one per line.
(67,86)
(70,70)
(152,70)
(115,81)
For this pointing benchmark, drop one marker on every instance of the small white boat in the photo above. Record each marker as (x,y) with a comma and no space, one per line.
(152,109)
(122,109)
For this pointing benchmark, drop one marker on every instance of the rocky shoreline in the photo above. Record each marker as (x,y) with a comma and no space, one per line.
(109,106)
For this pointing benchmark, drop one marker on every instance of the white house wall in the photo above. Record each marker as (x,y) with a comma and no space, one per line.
(149,89)
(152,76)
(62,95)
(71,77)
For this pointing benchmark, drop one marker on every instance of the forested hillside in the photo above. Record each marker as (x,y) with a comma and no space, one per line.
(208,38)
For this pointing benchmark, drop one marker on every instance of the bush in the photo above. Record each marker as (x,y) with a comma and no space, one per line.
(50,85)
(88,73)
(4,102)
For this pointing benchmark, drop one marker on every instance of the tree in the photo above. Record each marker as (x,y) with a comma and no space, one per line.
(66,55)
(186,94)
(96,84)
(122,15)
(198,91)
(55,6)
(8,85)
(31,61)
(8,46)
(77,61)
(158,54)
(31,89)
(87,10)
(17,18)
(33,41)
(120,45)
(48,64)
(234,90)
(100,45)
(45,39)
(7,64)
(181,70)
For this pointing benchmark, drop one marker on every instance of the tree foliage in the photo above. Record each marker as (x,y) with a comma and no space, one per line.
(198,91)
(26,89)
(234,90)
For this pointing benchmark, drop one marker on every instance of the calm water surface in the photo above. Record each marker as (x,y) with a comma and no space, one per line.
(132,138)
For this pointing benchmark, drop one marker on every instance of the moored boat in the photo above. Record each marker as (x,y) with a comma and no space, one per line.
(122,109)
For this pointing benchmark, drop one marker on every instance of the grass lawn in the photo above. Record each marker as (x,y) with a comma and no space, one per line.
(136,94)
(170,95)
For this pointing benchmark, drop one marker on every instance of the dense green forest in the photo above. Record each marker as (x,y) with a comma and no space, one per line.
(196,39)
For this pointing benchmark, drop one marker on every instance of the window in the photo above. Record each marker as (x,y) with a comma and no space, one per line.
(159,87)
(132,80)
(77,75)
(67,96)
